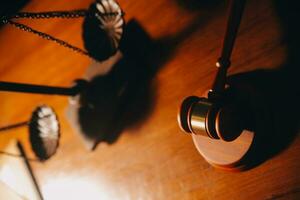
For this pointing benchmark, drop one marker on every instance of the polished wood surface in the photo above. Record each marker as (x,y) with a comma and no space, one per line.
(152,159)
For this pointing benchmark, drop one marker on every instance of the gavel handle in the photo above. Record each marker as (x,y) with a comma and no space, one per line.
(235,14)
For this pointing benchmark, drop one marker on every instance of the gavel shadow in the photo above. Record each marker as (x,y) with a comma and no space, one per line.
(269,99)
(125,97)
(269,105)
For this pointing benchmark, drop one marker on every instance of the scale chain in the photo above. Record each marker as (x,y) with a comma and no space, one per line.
(47,37)
(48,15)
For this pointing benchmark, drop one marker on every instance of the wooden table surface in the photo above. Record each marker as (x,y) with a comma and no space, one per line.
(151,159)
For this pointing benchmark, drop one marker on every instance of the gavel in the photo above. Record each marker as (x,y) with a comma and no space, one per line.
(212,116)
(218,122)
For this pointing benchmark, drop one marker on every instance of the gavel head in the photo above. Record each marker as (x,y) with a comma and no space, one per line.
(213,118)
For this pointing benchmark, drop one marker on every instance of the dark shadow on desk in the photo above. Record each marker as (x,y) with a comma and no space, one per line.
(125,97)
(8,7)
(272,96)
(196,5)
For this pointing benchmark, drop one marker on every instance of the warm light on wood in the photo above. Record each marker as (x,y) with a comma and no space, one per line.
(152,158)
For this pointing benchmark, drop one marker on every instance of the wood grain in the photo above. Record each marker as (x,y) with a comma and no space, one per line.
(152,159)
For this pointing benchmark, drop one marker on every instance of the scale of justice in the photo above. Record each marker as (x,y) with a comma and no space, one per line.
(217,130)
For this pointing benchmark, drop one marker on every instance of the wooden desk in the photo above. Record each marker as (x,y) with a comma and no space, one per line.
(152,159)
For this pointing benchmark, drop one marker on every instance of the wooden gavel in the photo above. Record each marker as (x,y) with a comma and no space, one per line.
(217,122)
(210,116)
